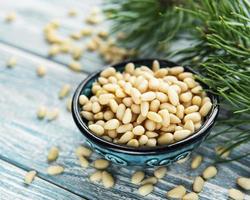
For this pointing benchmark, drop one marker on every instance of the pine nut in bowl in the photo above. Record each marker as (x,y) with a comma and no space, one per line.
(144,112)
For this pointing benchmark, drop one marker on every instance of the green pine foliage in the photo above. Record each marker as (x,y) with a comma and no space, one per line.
(220,33)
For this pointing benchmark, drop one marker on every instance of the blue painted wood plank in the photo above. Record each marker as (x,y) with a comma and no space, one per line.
(12,186)
(25,140)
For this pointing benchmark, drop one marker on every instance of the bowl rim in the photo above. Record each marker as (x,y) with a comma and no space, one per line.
(202,132)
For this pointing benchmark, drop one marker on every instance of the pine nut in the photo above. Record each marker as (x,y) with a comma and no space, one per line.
(221,152)
(107,179)
(196,100)
(137,177)
(11,62)
(55,170)
(150,180)
(165,117)
(195,117)
(180,111)
(205,108)
(143,140)
(209,172)
(176,70)
(124,128)
(87,106)
(136,95)
(177,193)
(144,108)
(169,107)
(173,96)
(127,117)
(120,111)
(53,154)
(112,124)
(64,91)
(191,196)
(184,75)
(151,134)
(129,68)
(138,130)
(182,134)
(191,109)
(160,172)
(87,115)
(29,177)
(96,107)
(154,117)
(83,99)
(53,114)
(235,194)
(150,125)
(97,129)
(178,128)
(83,151)
(244,183)
(197,90)
(145,189)
(190,82)
(41,112)
(154,105)
(104,98)
(198,184)
(140,119)
(69,104)
(96,176)
(186,97)
(160,73)
(41,71)
(126,137)
(83,162)
(110,71)
(148,96)
(189,125)
(156,65)
(204,100)
(136,109)
(174,119)
(101,164)
(151,142)
(133,143)
(75,66)
(170,128)
(166,138)
(153,84)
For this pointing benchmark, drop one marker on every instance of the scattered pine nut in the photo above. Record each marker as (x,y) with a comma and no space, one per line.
(83,151)
(235,194)
(160,172)
(107,179)
(96,176)
(53,154)
(177,193)
(11,62)
(209,172)
(72,12)
(75,66)
(137,177)
(29,177)
(244,183)
(65,90)
(41,70)
(69,104)
(146,189)
(55,170)
(41,112)
(221,152)
(53,114)
(196,162)
(151,180)
(83,162)
(101,164)
(190,196)
(10,17)
(198,184)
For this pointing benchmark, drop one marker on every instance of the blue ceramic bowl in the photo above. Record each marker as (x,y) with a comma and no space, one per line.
(141,156)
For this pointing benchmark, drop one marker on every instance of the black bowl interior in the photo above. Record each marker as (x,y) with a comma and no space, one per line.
(85,88)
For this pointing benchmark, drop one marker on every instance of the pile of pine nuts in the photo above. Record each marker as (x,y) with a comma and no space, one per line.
(145,107)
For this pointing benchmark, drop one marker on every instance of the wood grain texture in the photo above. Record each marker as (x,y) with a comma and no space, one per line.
(26,32)
(25,140)
(13,187)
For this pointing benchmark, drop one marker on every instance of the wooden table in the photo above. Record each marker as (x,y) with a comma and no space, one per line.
(25,140)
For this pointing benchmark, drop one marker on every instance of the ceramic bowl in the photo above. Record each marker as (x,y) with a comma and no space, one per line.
(141,156)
